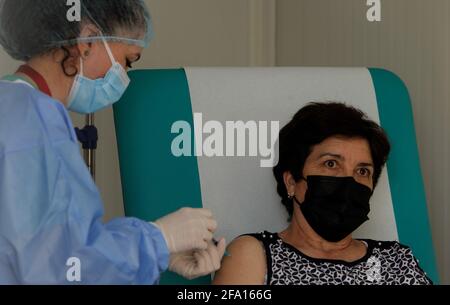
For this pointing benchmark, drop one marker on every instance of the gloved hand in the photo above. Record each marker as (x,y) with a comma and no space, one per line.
(196,263)
(187,229)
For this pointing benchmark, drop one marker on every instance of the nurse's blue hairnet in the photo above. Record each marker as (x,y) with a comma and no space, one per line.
(29,27)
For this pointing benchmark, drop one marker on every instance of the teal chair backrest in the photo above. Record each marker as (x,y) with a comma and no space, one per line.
(172,135)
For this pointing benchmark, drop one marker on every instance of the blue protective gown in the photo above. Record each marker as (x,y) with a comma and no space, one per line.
(51,210)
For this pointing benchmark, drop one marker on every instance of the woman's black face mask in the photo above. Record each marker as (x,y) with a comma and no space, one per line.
(335,206)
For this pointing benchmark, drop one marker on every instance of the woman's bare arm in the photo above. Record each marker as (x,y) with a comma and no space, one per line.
(246,264)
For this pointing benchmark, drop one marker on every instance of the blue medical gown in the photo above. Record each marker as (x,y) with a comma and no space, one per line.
(51,210)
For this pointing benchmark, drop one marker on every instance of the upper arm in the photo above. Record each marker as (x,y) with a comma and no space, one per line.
(56,217)
(246,264)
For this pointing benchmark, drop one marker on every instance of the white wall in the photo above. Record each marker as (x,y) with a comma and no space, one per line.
(413,40)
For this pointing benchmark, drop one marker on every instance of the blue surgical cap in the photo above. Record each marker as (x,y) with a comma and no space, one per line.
(29,28)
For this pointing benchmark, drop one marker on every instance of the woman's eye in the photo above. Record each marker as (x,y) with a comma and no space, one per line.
(364,172)
(129,64)
(330,164)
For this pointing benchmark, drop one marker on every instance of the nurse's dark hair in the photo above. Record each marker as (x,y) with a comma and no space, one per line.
(313,124)
(30,28)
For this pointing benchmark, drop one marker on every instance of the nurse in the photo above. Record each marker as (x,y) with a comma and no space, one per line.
(50,209)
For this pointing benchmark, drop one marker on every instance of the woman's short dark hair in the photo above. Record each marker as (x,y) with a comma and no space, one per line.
(313,124)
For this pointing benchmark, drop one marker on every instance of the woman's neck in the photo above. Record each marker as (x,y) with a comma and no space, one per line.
(300,235)
(51,70)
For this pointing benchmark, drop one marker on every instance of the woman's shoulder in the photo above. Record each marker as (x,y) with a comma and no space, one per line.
(398,255)
(390,248)
(263,236)
(30,116)
(250,242)
(245,264)
(385,244)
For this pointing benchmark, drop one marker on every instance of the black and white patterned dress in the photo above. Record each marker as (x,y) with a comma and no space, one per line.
(385,263)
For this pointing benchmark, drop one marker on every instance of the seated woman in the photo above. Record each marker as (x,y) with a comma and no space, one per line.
(331,156)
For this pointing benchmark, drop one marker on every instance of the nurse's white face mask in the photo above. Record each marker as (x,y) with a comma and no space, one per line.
(88,96)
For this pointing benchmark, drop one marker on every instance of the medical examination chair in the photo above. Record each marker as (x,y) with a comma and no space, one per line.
(240,192)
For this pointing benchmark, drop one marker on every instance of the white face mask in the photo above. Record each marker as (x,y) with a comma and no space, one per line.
(89,96)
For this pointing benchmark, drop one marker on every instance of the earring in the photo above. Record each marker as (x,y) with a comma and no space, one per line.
(86,53)
(290,196)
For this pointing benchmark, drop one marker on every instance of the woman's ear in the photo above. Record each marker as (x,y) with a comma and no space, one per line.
(87,31)
(68,57)
(84,50)
(289,182)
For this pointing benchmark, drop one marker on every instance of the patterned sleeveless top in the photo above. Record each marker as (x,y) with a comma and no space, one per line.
(385,263)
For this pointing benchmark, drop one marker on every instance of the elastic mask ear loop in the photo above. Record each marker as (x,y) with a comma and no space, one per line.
(81,66)
(293,197)
(123,74)
(108,49)
(296,200)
